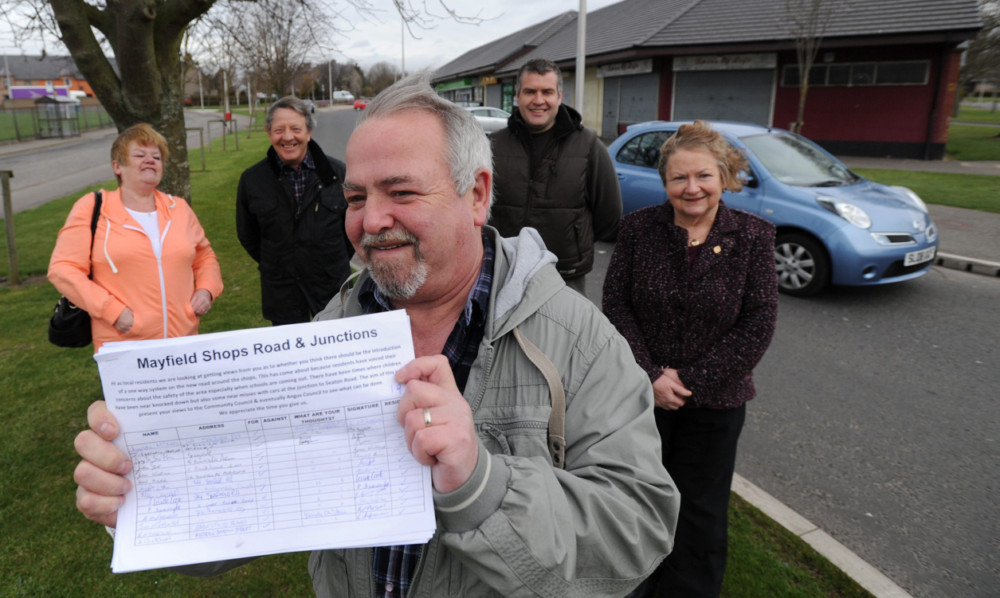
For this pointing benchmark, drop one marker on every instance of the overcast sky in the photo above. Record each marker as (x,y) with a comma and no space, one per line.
(378,38)
(372,42)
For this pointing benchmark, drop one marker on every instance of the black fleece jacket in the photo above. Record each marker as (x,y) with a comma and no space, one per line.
(301,249)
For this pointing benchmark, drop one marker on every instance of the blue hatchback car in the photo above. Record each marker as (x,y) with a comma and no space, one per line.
(833,226)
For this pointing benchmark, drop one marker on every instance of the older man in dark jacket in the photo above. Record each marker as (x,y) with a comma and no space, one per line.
(290,218)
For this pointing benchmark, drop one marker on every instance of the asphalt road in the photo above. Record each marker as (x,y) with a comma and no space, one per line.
(53,170)
(333,128)
(876,419)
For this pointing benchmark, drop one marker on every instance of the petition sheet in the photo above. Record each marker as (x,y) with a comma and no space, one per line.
(265,441)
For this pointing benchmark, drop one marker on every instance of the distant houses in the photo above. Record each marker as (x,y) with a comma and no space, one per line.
(30,77)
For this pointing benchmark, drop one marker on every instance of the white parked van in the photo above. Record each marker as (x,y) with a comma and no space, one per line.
(342,95)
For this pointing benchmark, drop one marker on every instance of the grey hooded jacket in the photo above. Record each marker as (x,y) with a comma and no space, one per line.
(519,526)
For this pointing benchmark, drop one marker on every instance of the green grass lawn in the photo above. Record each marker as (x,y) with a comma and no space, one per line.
(973,142)
(51,550)
(978,115)
(17,124)
(970,191)
(766,560)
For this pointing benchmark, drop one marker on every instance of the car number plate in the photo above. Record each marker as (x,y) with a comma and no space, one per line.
(918,257)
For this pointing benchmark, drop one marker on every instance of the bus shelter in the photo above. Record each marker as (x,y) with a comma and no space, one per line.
(56,118)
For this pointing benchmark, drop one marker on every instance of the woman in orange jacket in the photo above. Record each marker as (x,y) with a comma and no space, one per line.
(154,271)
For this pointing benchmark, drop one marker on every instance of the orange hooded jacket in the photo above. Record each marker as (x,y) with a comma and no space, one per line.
(126,272)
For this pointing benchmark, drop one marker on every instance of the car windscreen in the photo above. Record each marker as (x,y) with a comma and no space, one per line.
(796,161)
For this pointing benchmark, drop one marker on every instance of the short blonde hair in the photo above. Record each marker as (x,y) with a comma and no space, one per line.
(699,136)
(142,134)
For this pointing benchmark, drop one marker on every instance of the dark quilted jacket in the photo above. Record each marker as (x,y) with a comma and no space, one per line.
(572,198)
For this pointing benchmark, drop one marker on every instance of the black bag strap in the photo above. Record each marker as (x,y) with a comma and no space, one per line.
(93,227)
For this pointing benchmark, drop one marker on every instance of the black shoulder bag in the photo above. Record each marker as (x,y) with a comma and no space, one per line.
(69,325)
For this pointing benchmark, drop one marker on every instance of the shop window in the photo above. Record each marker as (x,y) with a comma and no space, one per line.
(863,74)
(839,74)
(860,74)
(902,73)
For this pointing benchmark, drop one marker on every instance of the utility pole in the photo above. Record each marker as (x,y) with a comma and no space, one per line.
(6,68)
(581,56)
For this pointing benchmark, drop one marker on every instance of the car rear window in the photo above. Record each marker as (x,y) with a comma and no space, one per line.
(643,150)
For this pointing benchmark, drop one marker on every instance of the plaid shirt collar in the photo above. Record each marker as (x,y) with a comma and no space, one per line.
(299,176)
(393,566)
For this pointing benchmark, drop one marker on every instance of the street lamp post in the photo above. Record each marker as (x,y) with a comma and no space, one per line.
(402,38)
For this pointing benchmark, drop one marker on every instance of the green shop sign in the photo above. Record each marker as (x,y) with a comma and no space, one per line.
(456,84)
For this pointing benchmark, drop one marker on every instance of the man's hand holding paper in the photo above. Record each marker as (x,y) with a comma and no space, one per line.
(438,422)
(254,442)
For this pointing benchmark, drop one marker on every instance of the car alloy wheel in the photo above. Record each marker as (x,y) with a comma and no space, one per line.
(803,268)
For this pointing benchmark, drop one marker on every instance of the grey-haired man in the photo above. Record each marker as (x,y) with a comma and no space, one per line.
(290,218)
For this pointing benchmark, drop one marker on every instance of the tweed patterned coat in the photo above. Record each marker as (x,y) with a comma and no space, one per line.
(712,319)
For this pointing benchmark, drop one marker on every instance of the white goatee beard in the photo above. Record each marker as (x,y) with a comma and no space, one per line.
(395,280)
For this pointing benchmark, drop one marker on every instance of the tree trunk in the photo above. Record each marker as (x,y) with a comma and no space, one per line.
(145,36)
(803,92)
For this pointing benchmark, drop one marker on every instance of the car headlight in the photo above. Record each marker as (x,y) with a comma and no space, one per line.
(913,196)
(847,211)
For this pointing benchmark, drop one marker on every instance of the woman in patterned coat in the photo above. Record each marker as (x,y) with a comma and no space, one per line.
(692,287)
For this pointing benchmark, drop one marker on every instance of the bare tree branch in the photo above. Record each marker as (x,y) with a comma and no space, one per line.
(982,57)
(808,20)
